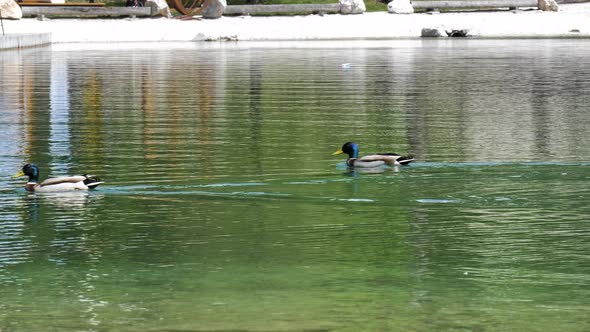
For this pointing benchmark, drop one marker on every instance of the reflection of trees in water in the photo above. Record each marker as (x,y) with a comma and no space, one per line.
(28,90)
(541,93)
(91,123)
(488,105)
(256,116)
(442,101)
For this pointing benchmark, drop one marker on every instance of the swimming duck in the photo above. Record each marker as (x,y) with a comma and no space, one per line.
(59,184)
(373,160)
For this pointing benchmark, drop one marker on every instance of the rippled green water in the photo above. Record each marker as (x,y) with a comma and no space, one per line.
(224,210)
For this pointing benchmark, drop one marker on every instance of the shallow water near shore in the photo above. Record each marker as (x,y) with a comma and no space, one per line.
(224,210)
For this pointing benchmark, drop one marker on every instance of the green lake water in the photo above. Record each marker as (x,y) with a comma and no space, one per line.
(224,210)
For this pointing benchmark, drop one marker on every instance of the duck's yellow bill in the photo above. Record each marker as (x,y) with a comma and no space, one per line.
(18,175)
(338,152)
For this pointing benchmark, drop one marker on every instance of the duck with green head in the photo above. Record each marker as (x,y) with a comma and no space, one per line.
(58,184)
(373,160)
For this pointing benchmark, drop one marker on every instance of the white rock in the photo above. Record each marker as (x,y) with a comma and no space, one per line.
(352,7)
(548,5)
(10,10)
(400,7)
(159,7)
(213,8)
(433,32)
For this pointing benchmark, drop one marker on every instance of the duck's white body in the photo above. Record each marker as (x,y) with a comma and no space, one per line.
(58,184)
(376,160)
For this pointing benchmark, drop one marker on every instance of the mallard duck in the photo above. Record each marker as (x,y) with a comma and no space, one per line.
(373,160)
(59,184)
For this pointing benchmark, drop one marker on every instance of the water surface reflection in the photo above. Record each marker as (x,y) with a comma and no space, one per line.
(223,208)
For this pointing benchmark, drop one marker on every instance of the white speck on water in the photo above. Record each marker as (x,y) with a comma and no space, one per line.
(433,200)
(357,200)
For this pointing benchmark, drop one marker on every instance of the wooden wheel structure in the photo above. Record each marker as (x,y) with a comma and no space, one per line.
(188,7)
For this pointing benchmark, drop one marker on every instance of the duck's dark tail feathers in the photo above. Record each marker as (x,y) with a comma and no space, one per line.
(92,181)
(404,160)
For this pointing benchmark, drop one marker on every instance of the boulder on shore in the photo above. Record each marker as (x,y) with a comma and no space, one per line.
(400,7)
(213,8)
(433,32)
(352,7)
(548,5)
(10,10)
(159,7)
